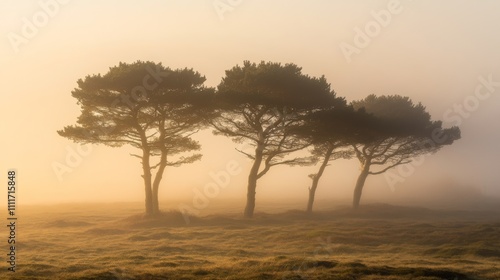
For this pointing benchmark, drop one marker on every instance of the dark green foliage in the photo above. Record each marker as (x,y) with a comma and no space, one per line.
(274,85)
(402,130)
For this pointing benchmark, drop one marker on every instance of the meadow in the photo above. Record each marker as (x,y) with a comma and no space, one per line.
(114,241)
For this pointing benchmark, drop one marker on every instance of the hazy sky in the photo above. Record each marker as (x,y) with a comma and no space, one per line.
(436,52)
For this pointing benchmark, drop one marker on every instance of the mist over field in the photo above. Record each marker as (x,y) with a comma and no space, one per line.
(110,241)
(222,139)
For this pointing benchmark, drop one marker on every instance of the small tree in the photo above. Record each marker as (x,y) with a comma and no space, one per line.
(259,104)
(145,105)
(403,131)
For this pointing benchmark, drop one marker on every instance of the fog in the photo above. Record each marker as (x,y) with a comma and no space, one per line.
(437,53)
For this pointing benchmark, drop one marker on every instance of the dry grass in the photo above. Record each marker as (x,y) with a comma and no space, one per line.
(376,242)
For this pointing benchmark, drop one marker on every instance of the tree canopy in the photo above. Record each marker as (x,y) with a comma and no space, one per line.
(402,131)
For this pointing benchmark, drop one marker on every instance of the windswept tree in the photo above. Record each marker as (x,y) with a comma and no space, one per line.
(259,104)
(332,132)
(147,106)
(403,130)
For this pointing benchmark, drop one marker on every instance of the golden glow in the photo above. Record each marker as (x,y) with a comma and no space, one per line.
(432,51)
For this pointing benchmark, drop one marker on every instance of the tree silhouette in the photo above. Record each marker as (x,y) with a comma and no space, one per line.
(147,106)
(332,132)
(403,130)
(259,104)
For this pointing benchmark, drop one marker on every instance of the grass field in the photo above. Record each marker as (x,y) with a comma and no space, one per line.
(376,242)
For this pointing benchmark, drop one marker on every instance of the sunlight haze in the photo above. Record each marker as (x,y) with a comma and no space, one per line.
(435,52)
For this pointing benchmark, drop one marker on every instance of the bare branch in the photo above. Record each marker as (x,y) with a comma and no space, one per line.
(389,167)
(137,156)
(246,154)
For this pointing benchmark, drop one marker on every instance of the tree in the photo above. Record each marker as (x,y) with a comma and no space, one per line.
(332,131)
(259,104)
(403,131)
(324,153)
(145,105)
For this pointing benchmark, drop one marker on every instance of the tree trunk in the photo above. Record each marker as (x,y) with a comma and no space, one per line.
(149,199)
(358,190)
(147,182)
(154,200)
(312,192)
(157,180)
(250,207)
(315,179)
(252,182)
